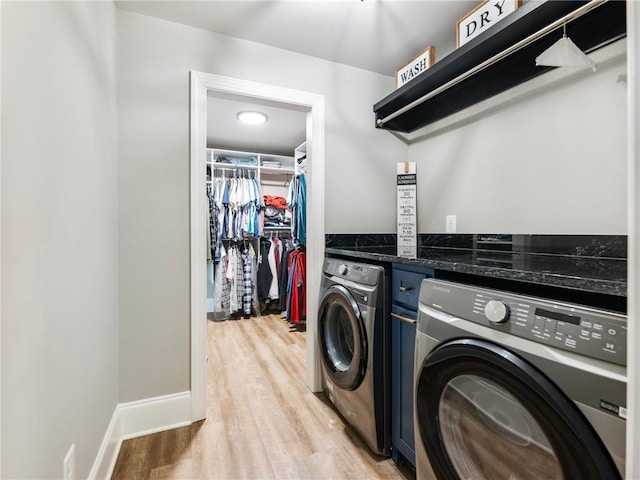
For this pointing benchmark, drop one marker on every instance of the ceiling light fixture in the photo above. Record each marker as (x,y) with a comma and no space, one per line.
(252,118)
(565,53)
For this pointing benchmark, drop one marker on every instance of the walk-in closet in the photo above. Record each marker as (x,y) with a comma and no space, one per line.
(256,259)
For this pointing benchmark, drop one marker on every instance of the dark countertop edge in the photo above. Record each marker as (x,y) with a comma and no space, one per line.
(595,285)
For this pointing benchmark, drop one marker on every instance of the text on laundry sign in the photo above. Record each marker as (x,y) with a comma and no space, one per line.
(415,67)
(409,179)
(481,18)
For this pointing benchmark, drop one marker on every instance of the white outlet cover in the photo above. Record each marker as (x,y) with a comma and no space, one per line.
(450,224)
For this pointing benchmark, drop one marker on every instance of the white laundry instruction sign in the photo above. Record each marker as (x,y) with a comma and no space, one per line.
(407,213)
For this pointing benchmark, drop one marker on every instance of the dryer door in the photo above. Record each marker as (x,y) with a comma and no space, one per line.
(342,337)
(485,413)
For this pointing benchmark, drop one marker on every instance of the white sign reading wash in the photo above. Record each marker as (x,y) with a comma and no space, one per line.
(484,16)
(407,213)
(416,67)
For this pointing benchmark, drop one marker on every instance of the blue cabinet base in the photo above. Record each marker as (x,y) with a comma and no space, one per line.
(406,282)
(401,461)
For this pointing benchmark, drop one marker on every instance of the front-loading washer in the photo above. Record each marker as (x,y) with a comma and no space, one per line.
(509,386)
(354,344)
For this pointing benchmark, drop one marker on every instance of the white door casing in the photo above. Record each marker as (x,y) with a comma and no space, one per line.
(633,215)
(201,84)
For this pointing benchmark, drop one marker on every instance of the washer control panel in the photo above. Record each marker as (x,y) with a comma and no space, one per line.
(584,330)
(356,272)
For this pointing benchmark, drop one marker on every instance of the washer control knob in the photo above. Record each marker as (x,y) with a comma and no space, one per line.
(342,269)
(496,311)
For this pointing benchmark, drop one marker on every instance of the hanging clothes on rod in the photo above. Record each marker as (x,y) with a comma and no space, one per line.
(283,273)
(211,223)
(235,285)
(296,286)
(250,234)
(215,190)
(235,209)
(242,202)
(297,202)
(265,275)
(273,270)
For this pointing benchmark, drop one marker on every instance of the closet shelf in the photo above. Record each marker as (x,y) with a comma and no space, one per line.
(242,159)
(277,171)
(600,26)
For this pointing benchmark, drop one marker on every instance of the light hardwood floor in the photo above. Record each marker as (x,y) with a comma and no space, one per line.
(262,421)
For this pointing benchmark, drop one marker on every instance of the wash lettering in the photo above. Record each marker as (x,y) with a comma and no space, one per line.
(483,17)
(414,71)
(415,67)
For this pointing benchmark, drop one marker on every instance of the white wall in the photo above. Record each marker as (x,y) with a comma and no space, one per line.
(59,234)
(550,163)
(154,60)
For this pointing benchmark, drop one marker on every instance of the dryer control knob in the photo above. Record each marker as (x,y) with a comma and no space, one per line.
(342,269)
(496,311)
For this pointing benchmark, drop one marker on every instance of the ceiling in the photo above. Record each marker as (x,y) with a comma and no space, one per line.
(375,35)
(284,130)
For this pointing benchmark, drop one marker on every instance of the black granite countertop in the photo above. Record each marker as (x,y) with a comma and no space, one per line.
(601,275)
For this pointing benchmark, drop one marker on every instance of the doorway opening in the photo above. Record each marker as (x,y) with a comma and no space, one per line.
(207,85)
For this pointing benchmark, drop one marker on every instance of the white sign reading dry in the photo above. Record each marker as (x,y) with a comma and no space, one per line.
(483,17)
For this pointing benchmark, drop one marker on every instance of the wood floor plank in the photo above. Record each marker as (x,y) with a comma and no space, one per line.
(262,421)
(182,470)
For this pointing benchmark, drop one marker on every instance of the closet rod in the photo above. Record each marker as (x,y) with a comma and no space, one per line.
(226,166)
(497,57)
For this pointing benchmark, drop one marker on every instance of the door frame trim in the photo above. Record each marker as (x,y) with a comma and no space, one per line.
(200,85)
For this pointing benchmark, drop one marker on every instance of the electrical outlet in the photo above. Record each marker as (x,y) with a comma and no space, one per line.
(69,464)
(450,224)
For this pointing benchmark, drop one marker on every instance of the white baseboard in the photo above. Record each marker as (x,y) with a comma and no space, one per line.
(134,419)
(108,452)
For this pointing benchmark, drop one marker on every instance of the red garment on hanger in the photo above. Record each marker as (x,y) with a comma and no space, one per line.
(298,296)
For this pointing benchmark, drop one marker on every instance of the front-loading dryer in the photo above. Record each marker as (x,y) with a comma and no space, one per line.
(509,386)
(353,339)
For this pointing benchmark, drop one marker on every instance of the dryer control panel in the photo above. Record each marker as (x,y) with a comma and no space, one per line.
(360,273)
(587,331)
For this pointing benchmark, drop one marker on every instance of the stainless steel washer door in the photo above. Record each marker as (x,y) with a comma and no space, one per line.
(485,413)
(342,337)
